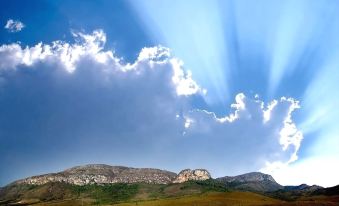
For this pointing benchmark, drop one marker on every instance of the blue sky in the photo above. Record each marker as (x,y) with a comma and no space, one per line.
(231,86)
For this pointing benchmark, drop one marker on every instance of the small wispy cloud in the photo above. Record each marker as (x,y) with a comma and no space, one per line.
(14,25)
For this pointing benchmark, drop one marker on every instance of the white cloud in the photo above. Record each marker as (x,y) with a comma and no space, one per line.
(249,139)
(89,104)
(14,25)
(320,170)
(62,52)
(154,54)
(267,112)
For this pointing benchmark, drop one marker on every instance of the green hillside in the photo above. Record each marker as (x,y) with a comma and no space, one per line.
(105,194)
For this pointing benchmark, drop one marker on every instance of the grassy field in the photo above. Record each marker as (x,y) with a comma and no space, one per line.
(206,199)
(211,199)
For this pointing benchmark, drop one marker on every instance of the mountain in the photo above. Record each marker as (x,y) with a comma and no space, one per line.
(103,174)
(330,191)
(291,193)
(254,181)
(104,184)
(98,184)
(187,175)
(303,187)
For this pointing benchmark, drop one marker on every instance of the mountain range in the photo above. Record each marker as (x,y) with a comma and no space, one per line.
(116,184)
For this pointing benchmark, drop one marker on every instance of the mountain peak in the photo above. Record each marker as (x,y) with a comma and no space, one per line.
(256,176)
(249,177)
(254,181)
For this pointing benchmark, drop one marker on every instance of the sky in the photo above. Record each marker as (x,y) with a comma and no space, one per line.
(229,86)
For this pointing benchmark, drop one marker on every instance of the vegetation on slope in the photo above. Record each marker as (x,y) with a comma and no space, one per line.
(190,193)
(106,193)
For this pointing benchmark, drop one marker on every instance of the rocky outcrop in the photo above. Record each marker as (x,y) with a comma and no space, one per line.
(254,181)
(248,177)
(103,174)
(187,174)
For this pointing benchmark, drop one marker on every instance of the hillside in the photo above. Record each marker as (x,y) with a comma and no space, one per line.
(107,185)
(105,193)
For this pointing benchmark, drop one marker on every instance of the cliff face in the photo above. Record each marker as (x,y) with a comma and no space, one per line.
(187,174)
(103,174)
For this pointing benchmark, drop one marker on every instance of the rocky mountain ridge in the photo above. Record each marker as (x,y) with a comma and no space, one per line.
(106,174)
(248,177)
(103,174)
(253,181)
(303,187)
(89,181)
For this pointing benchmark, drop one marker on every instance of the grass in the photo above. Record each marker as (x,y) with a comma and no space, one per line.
(236,198)
(210,199)
(205,199)
(206,185)
(108,193)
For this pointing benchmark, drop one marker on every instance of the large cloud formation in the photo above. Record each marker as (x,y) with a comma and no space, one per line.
(64,104)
